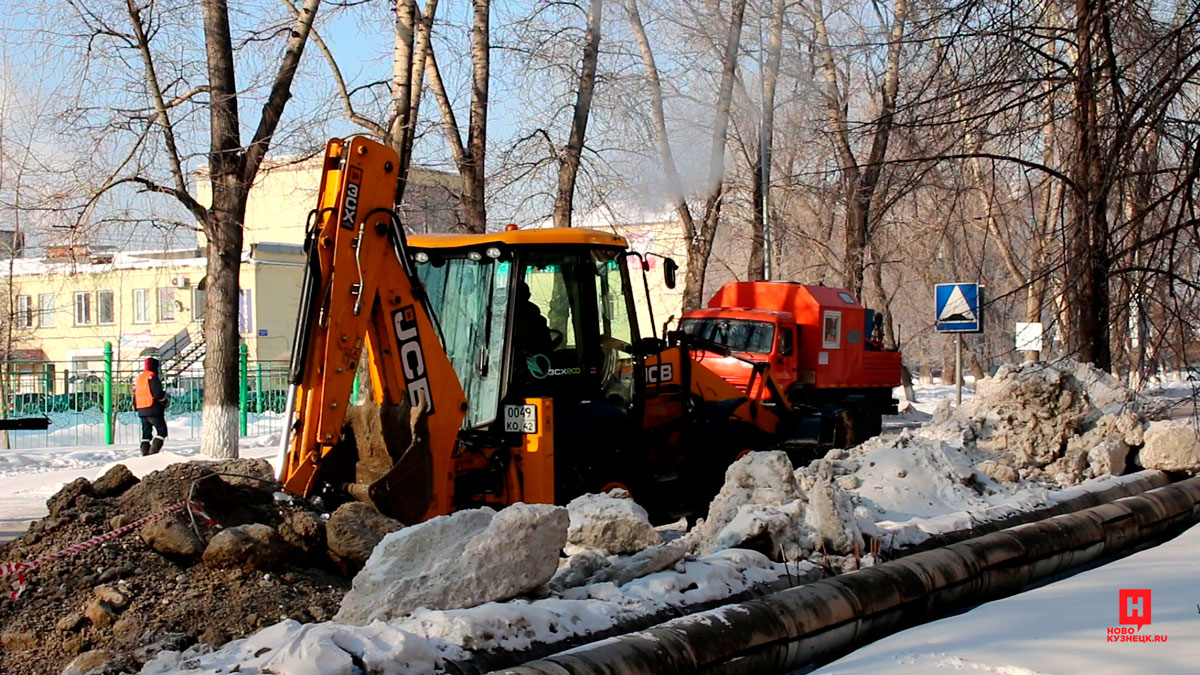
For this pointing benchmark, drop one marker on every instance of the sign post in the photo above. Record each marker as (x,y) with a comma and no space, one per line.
(956,310)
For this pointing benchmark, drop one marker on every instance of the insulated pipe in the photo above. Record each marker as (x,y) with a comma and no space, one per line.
(816,623)
(1133,484)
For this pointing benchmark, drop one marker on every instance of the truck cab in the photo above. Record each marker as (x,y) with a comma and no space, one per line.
(750,335)
(817,341)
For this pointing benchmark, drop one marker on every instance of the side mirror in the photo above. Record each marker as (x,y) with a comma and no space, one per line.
(670,268)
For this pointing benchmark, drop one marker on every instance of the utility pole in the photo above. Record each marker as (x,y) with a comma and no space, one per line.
(764,161)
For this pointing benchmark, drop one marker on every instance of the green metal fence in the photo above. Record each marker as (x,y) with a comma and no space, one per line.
(90,400)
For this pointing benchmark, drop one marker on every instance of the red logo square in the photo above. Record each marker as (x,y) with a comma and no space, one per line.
(1133,607)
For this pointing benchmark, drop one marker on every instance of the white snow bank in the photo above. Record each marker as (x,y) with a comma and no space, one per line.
(896,534)
(23,493)
(422,640)
(1031,429)
(461,560)
(615,524)
(311,649)
(1058,628)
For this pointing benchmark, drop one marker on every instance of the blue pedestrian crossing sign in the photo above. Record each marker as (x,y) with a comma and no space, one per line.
(957,308)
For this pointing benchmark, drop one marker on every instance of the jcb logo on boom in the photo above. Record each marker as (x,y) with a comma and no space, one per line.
(660,374)
(412,357)
(350,204)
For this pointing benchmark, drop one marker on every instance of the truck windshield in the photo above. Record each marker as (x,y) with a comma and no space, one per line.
(739,335)
(470,300)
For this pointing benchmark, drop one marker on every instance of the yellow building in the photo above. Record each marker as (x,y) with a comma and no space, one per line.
(67,305)
(65,308)
(285,192)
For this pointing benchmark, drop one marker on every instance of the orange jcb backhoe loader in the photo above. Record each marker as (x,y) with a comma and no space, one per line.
(504,367)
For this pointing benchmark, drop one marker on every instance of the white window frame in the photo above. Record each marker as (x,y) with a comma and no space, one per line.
(24,315)
(198,300)
(836,342)
(141,308)
(245,312)
(87,297)
(46,312)
(159,296)
(112,308)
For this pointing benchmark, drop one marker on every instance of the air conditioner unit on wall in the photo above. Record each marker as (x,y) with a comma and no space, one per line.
(179,282)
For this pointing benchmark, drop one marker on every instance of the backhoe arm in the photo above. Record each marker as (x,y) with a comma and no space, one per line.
(360,291)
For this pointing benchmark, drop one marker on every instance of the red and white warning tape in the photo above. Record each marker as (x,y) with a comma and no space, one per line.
(19,569)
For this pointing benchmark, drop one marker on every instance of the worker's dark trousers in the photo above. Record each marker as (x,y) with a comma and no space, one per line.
(154,431)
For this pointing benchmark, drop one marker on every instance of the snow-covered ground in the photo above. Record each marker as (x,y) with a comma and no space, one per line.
(913,506)
(1059,628)
(74,429)
(29,478)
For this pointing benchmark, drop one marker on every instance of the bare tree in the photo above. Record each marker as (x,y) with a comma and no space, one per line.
(698,236)
(860,178)
(470,155)
(232,166)
(760,168)
(569,156)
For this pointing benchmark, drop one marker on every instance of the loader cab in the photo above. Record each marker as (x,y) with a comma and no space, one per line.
(535,313)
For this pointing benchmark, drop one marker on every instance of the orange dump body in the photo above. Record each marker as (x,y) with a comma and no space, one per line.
(820,336)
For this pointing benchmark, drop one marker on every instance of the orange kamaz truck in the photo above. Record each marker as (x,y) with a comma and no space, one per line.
(816,342)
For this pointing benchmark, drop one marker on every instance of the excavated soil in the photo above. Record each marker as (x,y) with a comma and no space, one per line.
(170,601)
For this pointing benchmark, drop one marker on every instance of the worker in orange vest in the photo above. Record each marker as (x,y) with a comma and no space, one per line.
(150,400)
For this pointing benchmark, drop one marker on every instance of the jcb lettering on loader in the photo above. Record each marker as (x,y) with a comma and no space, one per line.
(412,357)
(660,374)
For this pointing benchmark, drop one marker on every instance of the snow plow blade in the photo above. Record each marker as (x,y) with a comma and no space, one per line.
(393,463)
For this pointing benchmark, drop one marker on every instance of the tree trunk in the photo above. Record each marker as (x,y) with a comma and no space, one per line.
(1087,234)
(402,114)
(474,208)
(568,161)
(860,180)
(232,168)
(701,243)
(421,49)
(756,268)
(658,118)
(761,166)
(224,231)
(221,340)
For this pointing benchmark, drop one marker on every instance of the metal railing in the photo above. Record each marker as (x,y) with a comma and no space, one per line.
(89,401)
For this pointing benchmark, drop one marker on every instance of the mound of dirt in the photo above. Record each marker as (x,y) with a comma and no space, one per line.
(127,598)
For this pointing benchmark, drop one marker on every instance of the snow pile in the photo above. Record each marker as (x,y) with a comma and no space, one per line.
(1171,446)
(1031,429)
(310,649)
(423,640)
(461,560)
(760,507)
(610,522)
(764,507)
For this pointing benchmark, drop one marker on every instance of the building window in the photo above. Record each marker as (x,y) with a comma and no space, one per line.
(141,305)
(245,312)
(83,308)
(46,318)
(24,311)
(198,299)
(166,305)
(104,308)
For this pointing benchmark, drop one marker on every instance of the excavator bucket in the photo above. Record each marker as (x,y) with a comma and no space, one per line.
(393,463)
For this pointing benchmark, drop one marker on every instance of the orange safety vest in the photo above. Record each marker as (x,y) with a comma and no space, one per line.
(142,396)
